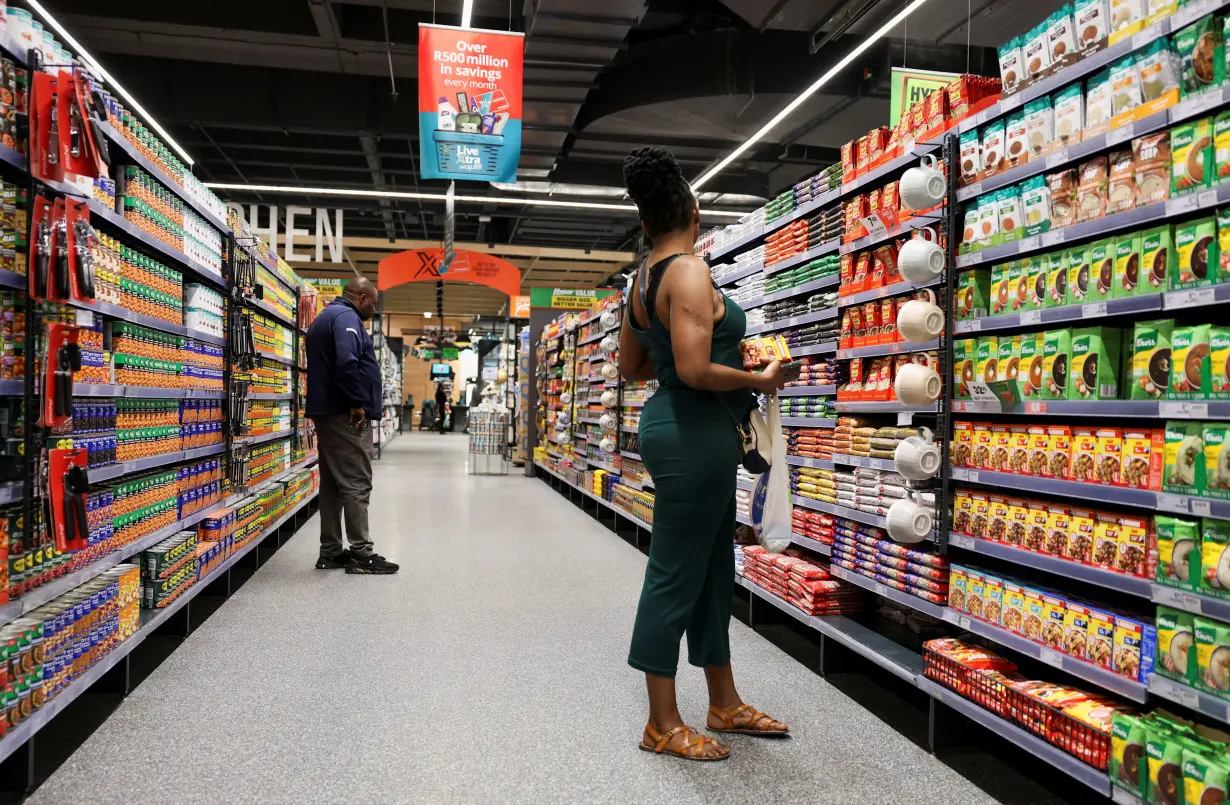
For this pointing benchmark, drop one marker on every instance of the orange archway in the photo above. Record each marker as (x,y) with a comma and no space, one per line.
(423,265)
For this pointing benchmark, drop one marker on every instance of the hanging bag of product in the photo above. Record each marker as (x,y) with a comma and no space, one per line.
(771,506)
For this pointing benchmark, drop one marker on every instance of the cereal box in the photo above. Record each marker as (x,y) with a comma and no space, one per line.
(963,444)
(1081,534)
(1058,521)
(1133,545)
(1135,644)
(1001,445)
(962,512)
(1109,457)
(1076,629)
(1035,614)
(1084,454)
(980,527)
(1059,462)
(974,590)
(1039,451)
(1099,648)
(956,588)
(1018,521)
(1035,526)
(999,518)
(1142,458)
(1018,450)
(1054,612)
(1106,541)
(992,599)
(1014,608)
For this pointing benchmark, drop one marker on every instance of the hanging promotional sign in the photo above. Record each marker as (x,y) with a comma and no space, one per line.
(907,87)
(469,103)
(568,298)
(520,307)
(423,265)
(327,289)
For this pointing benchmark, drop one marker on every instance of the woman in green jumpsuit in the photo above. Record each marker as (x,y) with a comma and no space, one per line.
(685,333)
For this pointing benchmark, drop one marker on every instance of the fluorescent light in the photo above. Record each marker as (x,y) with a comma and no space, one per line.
(467,10)
(427,314)
(102,73)
(395,194)
(807,93)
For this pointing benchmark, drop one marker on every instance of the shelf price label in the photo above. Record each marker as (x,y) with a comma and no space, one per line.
(1051,657)
(1173,503)
(1052,238)
(1031,317)
(1180,205)
(1169,596)
(1183,410)
(1123,133)
(961,541)
(1093,310)
(969,476)
(1191,298)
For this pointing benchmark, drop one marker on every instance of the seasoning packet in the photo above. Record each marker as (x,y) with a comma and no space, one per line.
(1091,192)
(1201,51)
(1036,202)
(993,148)
(1011,65)
(1125,86)
(1063,189)
(1039,127)
(1191,148)
(1151,154)
(1121,192)
(1158,67)
(1098,103)
(1016,140)
(1069,115)
(1091,22)
(971,157)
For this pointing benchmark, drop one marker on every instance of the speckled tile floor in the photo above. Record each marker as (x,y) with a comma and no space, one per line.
(491,669)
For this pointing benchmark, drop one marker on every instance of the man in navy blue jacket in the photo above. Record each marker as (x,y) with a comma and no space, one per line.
(343,398)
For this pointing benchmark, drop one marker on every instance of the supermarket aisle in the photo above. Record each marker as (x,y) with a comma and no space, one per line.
(492,669)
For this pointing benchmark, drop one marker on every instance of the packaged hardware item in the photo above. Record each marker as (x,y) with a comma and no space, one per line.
(1196,251)
(1151,359)
(1191,148)
(1190,373)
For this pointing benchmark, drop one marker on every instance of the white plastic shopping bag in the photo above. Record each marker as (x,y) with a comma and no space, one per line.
(771,506)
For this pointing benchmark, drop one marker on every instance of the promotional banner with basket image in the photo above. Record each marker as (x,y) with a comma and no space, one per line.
(469,103)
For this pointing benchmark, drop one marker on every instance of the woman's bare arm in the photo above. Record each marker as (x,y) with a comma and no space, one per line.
(690,313)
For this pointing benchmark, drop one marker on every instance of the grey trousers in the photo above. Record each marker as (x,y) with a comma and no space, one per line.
(345,483)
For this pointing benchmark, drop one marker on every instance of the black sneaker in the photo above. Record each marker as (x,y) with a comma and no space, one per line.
(334,562)
(371,564)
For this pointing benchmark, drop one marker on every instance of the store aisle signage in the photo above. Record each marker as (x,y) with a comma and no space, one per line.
(520,307)
(910,86)
(423,265)
(469,103)
(328,231)
(327,289)
(567,298)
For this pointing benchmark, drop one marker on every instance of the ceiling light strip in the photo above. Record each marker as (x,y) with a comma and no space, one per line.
(102,73)
(394,194)
(807,93)
(467,12)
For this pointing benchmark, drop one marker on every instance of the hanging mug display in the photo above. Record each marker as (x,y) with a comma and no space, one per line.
(609,319)
(908,521)
(921,259)
(608,343)
(916,384)
(565,398)
(610,371)
(607,444)
(923,186)
(918,457)
(921,320)
(609,398)
(563,420)
(607,421)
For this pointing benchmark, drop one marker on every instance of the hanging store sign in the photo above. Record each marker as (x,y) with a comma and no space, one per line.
(328,231)
(567,298)
(327,289)
(520,307)
(910,86)
(469,103)
(423,265)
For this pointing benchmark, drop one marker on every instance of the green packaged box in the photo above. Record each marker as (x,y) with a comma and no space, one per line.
(1079,274)
(1009,363)
(1201,51)
(1219,362)
(1215,558)
(1196,254)
(1206,776)
(1221,272)
(1001,301)
(1095,364)
(965,361)
(1190,370)
(1032,359)
(1157,259)
(1127,265)
(1213,656)
(1176,634)
(1217,460)
(1055,293)
(1191,156)
(1183,469)
(1018,284)
(988,359)
(973,294)
(1178,552)
(1032,282)
(1056,357)
(1128,764)
(1101,270)
(1151,359)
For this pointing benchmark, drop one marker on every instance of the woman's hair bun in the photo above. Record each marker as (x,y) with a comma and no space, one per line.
(656,185)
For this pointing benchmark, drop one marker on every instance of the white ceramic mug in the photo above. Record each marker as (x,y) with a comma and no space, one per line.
(608,344)
(607,444)
(565,398)
(610,371)
(563,419)
(609,398)
(609,319)
(608,421)
(921,259)
(916,384)
(917,457)
(923,187)
(921,319)
(908,522)
(565,437)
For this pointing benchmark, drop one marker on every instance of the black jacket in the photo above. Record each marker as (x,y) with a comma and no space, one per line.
(343,372)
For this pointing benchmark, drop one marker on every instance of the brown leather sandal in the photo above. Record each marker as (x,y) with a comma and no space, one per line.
(756,722)
(689,749)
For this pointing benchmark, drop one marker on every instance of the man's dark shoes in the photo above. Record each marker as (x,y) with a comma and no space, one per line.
(371,564)
(333,562)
